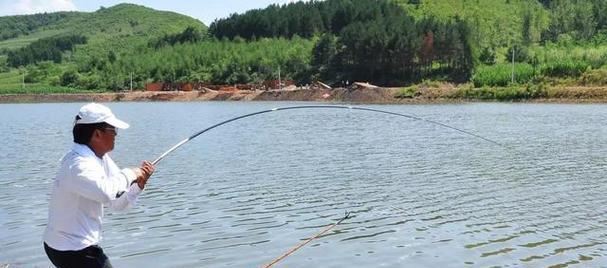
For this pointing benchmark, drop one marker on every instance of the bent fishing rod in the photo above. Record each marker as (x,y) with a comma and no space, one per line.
(408,116)
(297,247)
(179,144)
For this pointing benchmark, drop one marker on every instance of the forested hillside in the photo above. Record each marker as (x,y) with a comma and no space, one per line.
(363,40)
(550,42)
(36,42)
(495,24)
(122,20)
(14,26)
(487,43)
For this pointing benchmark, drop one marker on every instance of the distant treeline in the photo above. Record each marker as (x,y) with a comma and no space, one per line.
(209,61)
(302,18)
(13,26)
(45,49)
(363,40)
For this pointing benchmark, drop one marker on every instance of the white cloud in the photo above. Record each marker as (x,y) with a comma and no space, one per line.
(35,6)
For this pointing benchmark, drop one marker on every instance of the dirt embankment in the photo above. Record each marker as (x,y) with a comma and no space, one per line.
(366,95)
(349,95)
(124,96)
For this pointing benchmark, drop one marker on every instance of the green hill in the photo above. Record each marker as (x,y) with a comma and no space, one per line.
(127,20)
(15,26)
(123,29)
(122,21)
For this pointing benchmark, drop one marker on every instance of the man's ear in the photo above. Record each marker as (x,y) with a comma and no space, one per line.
(96,133)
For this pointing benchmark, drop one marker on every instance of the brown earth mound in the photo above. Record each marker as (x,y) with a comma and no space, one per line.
(358,95)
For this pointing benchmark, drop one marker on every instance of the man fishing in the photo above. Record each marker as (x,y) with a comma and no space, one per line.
(87,180)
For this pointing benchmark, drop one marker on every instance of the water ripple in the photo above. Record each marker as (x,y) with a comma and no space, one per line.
(420,195)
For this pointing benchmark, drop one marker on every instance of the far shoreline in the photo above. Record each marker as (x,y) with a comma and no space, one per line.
(337,95)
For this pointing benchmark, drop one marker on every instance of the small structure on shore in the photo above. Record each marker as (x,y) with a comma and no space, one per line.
(322,85)
(277,84)
(361,85)
(162,86)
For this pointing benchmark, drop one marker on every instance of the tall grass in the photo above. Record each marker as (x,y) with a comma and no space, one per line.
(559,61)
(551,61)
(11,77)
(501,74)
(501,93)
(39,89)
(564,67)
(12,83)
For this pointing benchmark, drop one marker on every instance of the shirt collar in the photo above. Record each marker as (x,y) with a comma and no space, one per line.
(83,150)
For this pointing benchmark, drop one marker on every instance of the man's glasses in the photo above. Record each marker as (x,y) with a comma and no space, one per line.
(113,130)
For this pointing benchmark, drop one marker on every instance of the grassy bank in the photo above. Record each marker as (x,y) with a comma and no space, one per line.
(571,92)
(41,89)
(12,83)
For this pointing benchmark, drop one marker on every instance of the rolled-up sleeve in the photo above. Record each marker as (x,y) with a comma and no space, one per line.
(129,174)
(127,199)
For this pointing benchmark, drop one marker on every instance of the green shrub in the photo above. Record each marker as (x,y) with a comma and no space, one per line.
(596,77)
(430,83)
(69,78)
(89,82)
(407,93)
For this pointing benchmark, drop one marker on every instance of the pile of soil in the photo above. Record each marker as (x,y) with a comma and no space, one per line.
(352,95)
(364,95)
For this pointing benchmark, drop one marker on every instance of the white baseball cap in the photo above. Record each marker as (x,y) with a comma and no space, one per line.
(96,113)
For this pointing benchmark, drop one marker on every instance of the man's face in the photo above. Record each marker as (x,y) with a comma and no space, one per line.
(107,136)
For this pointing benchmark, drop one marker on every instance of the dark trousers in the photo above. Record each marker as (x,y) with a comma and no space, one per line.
(92,257)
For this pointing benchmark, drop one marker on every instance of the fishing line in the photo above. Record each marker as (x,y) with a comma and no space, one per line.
(408,116)
(179,144)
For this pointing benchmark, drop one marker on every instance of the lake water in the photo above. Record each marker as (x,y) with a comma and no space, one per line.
(242,194)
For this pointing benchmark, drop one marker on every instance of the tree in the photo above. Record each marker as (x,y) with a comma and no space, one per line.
(111,56)
(323,53)
(584,22)
(581,19)
(526,27)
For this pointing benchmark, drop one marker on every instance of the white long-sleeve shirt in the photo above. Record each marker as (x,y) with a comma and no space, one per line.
(83,185)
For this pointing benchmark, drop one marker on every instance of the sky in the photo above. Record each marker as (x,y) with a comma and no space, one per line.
(204,10)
